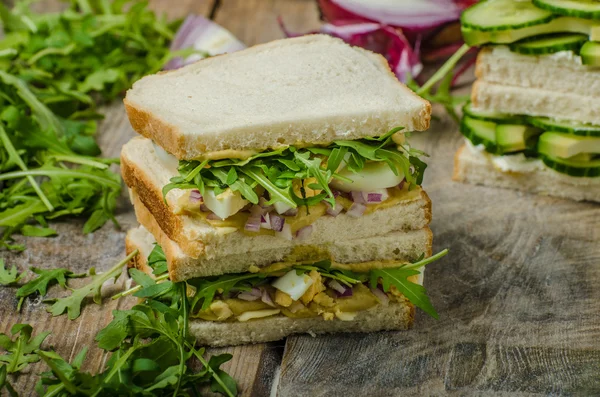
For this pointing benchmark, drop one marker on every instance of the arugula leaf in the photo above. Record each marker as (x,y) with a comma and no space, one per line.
(44,279)
(33,231)
(157,260)
(277,172)
(207,288)
(72,304)
(4,384)
(398,277)
(20,352)
(7,276)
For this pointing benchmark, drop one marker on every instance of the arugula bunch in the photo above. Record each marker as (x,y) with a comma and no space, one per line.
(277,171)
(55,69)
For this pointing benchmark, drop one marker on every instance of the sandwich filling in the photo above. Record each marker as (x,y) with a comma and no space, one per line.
(282,192)
(303,290)
(525,144)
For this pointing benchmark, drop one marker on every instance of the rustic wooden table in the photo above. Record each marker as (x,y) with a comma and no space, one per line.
(518,296)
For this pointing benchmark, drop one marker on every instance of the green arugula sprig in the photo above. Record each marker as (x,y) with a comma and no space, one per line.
(45,278)
(20,352)
(276,171)
(9,276)
(55,69)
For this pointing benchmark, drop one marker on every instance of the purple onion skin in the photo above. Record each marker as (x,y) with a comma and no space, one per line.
(346,294)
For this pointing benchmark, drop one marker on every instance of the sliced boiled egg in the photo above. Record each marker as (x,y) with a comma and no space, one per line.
(375,175)
(225,204)
(293,284)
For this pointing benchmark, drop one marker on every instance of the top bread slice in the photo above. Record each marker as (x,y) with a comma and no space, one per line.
(310,89)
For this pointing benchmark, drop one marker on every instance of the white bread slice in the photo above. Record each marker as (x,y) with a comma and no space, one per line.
(395,316)
(560,72)
(536,102)
(146,175)
(312,89)
(403,246)
(476,167)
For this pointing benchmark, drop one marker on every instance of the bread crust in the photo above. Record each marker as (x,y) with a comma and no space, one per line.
(173,139)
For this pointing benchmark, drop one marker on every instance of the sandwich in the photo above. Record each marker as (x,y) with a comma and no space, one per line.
(278,183)
(533,123)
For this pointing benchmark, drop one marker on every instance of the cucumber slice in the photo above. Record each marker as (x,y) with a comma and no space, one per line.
(475,37)
(549,44)
(573,167)
(570,127)
(480,132)
(590,53)
(515,137)
(560,145)
(504,15)
(589,9)
(490,115)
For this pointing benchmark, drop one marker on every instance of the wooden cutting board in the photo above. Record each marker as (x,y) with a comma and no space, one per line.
(518,295)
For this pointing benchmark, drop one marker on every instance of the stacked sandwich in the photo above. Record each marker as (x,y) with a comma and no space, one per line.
(277,182)
(534,120)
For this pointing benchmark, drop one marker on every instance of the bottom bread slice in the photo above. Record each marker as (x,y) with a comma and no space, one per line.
(477,167)
(396,315)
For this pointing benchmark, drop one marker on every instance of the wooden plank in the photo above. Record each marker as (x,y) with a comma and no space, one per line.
(517,297)
(255,21)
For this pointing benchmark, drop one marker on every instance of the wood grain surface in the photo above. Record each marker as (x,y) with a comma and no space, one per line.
(518,296)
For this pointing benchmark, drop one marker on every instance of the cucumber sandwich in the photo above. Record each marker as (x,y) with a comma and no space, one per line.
(278,183)
(533,122)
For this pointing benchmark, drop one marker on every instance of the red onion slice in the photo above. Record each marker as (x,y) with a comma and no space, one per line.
(376,197)
(204,208)
(256,292)
(265,222)
(356,210)
(253,224)
(334,284)
(382,296)
(304,232)
(266,298)
(247,296)
(277,222)
(213,217)
(357,197)
(204,35)
(291,212)
(334,211)
(195,196)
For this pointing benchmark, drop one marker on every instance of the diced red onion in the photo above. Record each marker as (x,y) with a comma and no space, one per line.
(247,296)
(286,232)
(263,203)
(265,222)
(304,232)
(401,184)
(357,197)
(277,222)
(376,197)
(256,292)
(266,298)
(382,296)
(356,210)
(204,35)
(213,217)
(257,211)
(291,212)
(333,284)
(204,208)
(195,196)
(336,193)
(334,211)
(252,224)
